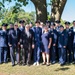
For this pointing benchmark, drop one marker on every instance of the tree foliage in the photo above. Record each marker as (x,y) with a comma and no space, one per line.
(7,16)
(57,7)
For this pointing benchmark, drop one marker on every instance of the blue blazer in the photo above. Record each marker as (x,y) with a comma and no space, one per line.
(37,34)
(13,39)
(53,34)
(3,38)
(62,39)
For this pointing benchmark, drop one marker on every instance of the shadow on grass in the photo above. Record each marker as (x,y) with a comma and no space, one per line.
(62,69)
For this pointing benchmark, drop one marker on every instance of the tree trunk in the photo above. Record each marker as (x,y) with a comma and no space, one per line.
(57,8)
(41,10)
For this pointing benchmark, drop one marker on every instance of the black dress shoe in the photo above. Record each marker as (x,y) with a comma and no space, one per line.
(62,64)
(23,64)
(53,62)
(5,62)
(28,64)
(73,62)
(1,63)
(13,65)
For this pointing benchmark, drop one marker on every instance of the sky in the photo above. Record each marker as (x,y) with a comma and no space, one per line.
(68,13)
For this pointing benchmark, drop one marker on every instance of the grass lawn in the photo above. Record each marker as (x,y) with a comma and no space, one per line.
(56,69)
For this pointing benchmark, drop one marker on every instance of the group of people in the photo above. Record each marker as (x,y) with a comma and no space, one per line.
(50,41)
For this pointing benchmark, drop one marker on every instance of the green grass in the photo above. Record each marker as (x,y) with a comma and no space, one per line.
(56,69)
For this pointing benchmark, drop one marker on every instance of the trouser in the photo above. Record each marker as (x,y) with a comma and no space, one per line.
(8,54)
(57,52)
(69,54)
(37,51)
(3,54)
(74,53)
(14,50)
(53,54)
(23,55)
(26,54)
(62,55)
(29,53)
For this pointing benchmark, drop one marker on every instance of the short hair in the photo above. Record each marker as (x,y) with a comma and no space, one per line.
(73,21)
(37,21)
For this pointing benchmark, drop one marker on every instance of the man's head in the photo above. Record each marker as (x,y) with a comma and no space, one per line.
(11,25)
(61,27)
(57,23)
(4,26)
(21,22)
(74,23)
(41,24)
(67,24)
(37,23)
(52,25)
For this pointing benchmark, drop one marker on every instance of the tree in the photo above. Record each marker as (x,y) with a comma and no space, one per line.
(57,7)
(8,16)
(41,9)
(1,5)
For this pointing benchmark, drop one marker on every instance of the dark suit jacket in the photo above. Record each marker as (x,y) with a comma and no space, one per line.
(62,39)
(3,38)
(54,36)
(27,41)
(69,35)
(13,39)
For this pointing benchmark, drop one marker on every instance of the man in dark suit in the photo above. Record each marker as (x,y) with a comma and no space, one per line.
(57,28)
(13,42)
(62,43)
(69,42)
(26,44)
(73,30)
(11,26)
(37,42)
(3,44)
(22,29)
(53,33)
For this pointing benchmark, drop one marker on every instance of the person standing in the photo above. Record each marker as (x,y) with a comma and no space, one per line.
(37,42)
(53,32)
(57,28)
(46,45)
(11,26)
(73,30)
(26,44)
(13,42)
(69,47)
(62,43)
(3,44)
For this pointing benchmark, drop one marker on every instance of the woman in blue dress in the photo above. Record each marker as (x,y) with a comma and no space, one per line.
(46,44)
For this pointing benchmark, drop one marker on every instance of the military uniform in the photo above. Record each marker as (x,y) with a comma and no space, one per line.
(13,39)
(69,34)
(73,30)
(57,28)
(3,45)
(62,43)
(53,33)
(37,42)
